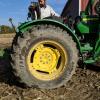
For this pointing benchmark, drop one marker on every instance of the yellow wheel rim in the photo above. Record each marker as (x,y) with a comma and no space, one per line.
(46,60)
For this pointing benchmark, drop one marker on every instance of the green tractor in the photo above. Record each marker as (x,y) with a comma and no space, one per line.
(46,51)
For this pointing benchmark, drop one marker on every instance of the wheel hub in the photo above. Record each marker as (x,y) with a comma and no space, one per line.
(46,60)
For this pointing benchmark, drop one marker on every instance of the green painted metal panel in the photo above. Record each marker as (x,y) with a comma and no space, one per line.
(83,28)
(88,24)
(87,47)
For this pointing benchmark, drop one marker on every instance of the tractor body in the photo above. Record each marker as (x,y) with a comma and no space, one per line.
(45,52)
(85,31)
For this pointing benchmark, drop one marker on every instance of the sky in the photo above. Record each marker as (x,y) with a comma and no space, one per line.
(18,9)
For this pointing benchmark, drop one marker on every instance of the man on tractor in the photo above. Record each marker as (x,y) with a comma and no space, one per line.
(40,10)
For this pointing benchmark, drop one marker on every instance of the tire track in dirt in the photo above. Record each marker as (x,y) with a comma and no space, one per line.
(84,85)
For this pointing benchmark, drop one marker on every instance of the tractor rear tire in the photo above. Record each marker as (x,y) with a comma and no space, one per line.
(57,42)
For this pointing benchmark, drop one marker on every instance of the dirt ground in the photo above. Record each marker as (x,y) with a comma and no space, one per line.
(6,40)
(84,85)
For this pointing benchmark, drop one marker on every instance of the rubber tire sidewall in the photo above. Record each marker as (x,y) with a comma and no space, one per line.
(38,35)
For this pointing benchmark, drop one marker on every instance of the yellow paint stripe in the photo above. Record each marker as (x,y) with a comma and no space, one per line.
(89,19)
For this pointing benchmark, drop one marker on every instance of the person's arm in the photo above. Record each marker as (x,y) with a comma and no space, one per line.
(53,13)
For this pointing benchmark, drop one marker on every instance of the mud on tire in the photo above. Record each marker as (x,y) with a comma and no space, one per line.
(33,36)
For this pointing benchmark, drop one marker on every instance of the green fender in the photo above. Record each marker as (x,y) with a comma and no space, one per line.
(27,25)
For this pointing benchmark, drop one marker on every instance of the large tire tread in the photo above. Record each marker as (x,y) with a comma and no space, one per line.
(19,72)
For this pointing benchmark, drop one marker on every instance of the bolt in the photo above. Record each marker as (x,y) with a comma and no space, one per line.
(49,59)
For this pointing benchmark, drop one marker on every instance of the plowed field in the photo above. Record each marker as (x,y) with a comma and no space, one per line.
(84,85)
